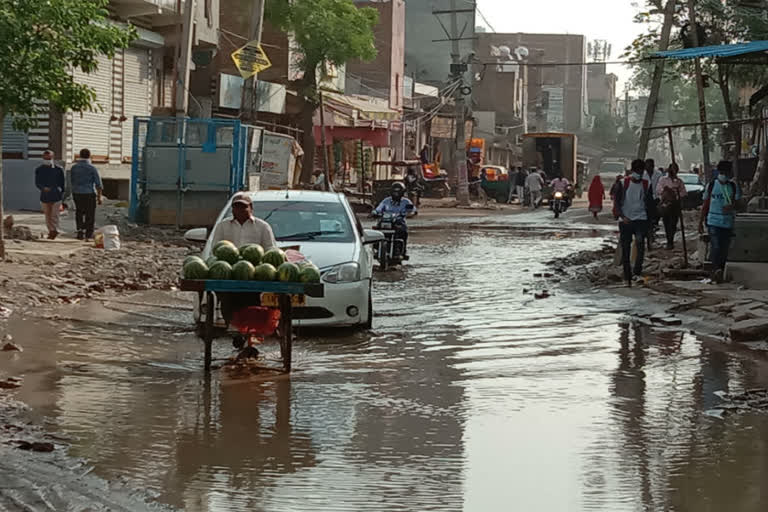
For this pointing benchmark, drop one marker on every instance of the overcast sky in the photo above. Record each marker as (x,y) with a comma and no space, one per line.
(596,19)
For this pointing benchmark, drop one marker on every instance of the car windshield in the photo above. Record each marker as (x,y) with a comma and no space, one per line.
(690,179)
(306,220)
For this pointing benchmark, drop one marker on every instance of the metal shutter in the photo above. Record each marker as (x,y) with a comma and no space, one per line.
(137,93)
(91,129)
(14,141)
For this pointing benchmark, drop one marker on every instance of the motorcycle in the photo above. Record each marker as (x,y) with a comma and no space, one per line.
(560,202)
(414,190)
(391,251)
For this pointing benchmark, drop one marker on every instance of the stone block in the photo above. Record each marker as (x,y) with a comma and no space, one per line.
(750,330)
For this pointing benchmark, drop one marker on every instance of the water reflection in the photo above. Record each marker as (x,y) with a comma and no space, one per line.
(467,395)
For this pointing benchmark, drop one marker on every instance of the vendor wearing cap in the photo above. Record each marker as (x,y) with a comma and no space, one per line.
(243,228)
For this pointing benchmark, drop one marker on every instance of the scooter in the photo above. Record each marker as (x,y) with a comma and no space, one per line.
(391,251)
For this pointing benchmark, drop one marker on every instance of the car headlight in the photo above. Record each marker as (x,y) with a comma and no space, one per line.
(344,273)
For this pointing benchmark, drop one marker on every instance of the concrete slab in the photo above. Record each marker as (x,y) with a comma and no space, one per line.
(751,275)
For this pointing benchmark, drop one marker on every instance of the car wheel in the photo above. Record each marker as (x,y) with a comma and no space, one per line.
(369,319)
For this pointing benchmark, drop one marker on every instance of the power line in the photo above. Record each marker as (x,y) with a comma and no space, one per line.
(485,19)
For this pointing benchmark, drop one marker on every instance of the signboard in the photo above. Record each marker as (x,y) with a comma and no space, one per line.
(277,161)
(269,97)
(445,128)
(250,59)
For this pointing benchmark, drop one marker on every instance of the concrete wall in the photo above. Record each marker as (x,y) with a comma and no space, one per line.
(19,190)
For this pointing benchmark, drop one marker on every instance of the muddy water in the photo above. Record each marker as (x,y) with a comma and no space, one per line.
(469,394)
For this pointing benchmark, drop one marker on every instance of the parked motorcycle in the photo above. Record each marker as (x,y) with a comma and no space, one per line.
(414,189)
(392,251)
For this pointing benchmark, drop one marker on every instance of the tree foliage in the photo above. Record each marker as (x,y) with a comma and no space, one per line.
(324,32)
(42,42)
(719,23)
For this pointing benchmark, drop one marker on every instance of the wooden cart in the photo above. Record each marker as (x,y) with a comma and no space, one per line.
(283,291)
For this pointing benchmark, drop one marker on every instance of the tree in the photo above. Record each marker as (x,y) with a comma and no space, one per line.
(326,32)
(42,42)
(719,23)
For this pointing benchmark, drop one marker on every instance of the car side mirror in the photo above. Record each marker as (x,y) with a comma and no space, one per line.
(371,236)
(196,235)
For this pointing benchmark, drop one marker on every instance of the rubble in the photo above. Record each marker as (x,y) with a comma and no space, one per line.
(750,330)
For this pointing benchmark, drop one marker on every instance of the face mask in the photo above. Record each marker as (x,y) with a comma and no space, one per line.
(48,163)
(722,178)
(637,176)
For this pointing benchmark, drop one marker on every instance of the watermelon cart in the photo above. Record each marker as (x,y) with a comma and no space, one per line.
(276,311)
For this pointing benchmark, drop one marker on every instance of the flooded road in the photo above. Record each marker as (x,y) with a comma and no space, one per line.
(468,394)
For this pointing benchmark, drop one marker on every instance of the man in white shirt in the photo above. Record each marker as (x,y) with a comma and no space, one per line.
(535,184)
(243,228)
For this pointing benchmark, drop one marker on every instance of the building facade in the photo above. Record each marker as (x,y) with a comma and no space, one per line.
(601,90)
(137,81)
(556,93)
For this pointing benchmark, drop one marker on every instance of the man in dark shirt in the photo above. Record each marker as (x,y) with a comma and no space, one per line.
(49,179)
(86,191)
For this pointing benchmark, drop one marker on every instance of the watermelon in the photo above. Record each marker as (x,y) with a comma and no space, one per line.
(228,253)
(252,252)
(195,269)
(220,270)
(274,257)
(222,242)
(264,272)
(191,258)
(210,261)
(288,272)
(309,274)
(242,271)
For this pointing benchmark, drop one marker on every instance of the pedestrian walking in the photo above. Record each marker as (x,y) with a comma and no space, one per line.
(522,175)
(653,175)
(49,179)
(86,192)
(671,191)
(596,195)
(535,184)
(616,187)
(632,208)
(512,182)
(719,215)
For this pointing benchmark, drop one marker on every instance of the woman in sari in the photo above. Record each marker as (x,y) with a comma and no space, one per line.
(596,195)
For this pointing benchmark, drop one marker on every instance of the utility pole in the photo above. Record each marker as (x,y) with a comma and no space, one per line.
(700,87)
(462,193)
(658,74)
(322,142)
(248,103)
(185,62)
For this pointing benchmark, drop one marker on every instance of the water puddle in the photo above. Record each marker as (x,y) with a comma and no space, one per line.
(468,394)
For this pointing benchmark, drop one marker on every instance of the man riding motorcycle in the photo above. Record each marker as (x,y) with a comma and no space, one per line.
(413,187)
(560,184)
(400,206)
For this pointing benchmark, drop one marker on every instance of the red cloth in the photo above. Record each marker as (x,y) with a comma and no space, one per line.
(596,193)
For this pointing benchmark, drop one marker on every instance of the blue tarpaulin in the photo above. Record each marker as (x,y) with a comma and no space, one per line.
(721,51)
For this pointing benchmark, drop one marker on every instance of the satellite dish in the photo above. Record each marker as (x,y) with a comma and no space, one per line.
(521,52)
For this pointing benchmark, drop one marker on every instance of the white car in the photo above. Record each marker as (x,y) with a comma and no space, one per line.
(329,234)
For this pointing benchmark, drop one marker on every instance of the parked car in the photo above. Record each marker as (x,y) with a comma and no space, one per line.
(694,190)
(329,234)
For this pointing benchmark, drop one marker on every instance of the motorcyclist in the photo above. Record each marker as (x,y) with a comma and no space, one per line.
(412,186)
(560,184)
(397,205)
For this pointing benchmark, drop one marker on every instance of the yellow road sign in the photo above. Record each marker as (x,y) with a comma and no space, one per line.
(250,59)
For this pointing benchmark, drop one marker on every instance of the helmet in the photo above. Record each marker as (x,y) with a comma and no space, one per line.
(398,190)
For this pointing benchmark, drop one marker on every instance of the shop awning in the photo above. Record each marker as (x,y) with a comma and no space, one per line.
(366,107)
(722,51)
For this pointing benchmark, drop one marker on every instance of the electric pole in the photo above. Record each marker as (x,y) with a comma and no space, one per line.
(700,87)
(658,74)
(462,193)
(182,80)
(248,104)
